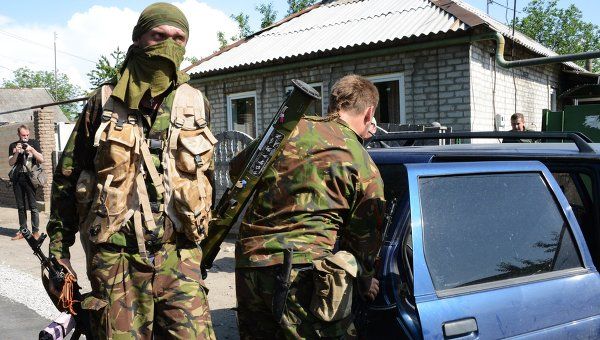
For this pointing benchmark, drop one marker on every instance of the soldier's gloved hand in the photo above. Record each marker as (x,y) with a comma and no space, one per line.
(368,288)
(67,264)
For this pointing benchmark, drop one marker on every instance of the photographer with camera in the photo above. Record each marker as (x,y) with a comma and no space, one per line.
(23,154)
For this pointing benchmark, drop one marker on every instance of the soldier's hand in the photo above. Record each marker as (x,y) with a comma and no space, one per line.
(368,288)
(67,264)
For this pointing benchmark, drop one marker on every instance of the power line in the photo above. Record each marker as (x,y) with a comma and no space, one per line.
(24,60)
(504,6)
(14,36)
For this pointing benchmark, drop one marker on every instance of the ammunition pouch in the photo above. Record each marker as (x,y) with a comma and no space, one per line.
(187,156)
(333,278)
(117,192)
(116,168)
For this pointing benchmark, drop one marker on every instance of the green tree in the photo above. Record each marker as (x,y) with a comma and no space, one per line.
(192,60)
(562,30)
(222,40)
(106,70)
(268,14)
(244,27)
(298,5)
(26,78)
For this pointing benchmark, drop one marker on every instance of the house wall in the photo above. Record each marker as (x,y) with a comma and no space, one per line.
(496,90)
(459,86)
(436,86)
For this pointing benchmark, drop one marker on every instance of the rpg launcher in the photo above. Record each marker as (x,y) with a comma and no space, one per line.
(58,274)
(269,145)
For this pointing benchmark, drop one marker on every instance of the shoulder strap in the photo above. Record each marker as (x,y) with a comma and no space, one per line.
(105,92)
(189,101)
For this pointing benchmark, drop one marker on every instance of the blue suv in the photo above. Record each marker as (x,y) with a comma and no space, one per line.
(489,241)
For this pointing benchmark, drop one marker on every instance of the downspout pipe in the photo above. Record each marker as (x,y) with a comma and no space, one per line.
(495,36)
(499,38)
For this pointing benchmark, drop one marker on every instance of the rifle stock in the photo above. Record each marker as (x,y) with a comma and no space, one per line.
(236,197)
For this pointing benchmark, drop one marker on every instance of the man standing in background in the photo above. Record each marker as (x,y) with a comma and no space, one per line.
(23,154)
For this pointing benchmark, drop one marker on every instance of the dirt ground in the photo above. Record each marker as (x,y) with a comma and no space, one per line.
(16,255)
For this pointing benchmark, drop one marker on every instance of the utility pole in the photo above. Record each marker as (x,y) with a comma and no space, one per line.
(487,3)
(55,72)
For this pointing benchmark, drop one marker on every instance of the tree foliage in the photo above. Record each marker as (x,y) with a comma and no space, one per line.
(562,30)
(106,70)
(243,26)
(268,14)
(26,78)
(222,40)
(268,17)
(298,5)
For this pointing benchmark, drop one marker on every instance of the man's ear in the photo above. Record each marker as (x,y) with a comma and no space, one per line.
(369,112)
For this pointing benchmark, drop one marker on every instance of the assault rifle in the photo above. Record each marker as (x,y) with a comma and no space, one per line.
(236,197)
(57,274)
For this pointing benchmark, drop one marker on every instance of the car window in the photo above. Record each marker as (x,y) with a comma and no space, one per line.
(574,186)
(577,187)
(489,227)
(395,184)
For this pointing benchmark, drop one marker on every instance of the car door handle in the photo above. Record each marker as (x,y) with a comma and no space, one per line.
(459,327)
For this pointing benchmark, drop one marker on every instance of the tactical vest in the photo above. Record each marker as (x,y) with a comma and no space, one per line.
(123,160)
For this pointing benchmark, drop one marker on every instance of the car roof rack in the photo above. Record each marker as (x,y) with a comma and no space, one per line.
(580,139)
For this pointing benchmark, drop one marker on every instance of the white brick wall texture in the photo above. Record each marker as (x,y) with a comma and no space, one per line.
(495,89)
(452,85)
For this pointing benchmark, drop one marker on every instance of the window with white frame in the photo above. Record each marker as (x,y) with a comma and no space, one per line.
(391,108)
(316,108)
(241,112)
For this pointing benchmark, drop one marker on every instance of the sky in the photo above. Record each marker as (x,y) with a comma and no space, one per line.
(87,29)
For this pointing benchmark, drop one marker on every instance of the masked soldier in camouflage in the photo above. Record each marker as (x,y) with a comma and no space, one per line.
(132,181)
(322,189)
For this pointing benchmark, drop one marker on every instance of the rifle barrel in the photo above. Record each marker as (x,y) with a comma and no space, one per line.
(41,106)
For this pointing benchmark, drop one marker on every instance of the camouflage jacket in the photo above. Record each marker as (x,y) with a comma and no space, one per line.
(78,156)
(324,185)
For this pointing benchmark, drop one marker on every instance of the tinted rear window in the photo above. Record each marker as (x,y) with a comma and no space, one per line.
(490,227)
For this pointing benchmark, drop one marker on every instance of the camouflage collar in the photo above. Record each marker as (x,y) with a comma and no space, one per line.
(342,122)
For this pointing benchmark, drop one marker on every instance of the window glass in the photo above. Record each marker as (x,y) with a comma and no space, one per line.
(490,227)
(577,187)
(395,184)
(388,110)
(243,115)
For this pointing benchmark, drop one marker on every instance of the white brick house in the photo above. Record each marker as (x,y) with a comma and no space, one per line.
(403,47)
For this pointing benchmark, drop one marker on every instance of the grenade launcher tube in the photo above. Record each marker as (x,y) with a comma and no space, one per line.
(234,200)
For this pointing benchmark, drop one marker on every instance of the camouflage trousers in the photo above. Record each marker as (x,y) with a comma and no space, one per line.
(254,291)
(132,299)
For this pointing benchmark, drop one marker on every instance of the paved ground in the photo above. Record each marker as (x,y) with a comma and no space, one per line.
(25,308)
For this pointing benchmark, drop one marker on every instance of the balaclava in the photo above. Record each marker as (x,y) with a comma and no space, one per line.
(152,68)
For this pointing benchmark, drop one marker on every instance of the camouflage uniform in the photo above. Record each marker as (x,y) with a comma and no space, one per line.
(323,186)
(132,298)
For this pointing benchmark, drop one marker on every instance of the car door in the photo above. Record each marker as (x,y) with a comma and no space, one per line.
(498,253)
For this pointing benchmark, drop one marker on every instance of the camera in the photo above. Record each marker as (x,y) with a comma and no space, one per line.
(24,145)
